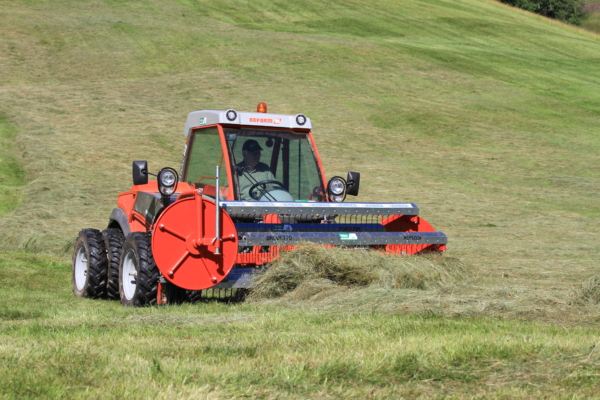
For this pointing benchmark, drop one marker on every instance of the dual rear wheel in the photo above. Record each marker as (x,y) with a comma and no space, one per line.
(138,275)
(106,265)
(89,265)
(113,244)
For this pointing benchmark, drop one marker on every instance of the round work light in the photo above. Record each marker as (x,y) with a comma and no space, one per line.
(300,119)
(231,115)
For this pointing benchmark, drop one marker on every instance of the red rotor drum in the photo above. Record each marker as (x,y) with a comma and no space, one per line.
(184,246)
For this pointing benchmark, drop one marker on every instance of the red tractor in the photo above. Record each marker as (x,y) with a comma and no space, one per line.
(251,184)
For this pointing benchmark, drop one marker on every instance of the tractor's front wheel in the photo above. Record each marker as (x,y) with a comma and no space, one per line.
(138,275)
(89,265)
(113,242)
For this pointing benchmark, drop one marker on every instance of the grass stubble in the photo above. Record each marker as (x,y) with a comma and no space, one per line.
(484,116)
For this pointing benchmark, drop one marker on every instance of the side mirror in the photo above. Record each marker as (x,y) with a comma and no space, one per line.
(140,172)
(352,183)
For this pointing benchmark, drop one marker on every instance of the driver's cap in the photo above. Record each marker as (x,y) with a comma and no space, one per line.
(251,146)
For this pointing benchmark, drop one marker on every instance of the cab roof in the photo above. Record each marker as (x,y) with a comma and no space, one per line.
(198,119)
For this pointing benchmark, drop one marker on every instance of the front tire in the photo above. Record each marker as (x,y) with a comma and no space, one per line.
(138,275)
(89,265)
(113,243)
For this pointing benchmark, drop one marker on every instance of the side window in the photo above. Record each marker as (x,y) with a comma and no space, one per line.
(304,176)
(205,153)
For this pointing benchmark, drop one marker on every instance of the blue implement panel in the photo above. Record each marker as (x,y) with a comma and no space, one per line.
(341,238)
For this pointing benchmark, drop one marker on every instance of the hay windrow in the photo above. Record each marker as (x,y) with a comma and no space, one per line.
(586,293)
(309,270)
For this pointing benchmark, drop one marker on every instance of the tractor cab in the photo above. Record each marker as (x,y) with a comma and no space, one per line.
(258,162)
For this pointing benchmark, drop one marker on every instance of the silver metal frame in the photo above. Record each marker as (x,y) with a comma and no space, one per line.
(298,208)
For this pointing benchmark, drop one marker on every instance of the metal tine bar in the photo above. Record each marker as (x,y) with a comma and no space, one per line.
(364,223)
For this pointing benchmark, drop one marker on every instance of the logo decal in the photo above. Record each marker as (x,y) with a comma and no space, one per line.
(263,120)
(203,121)
(279,237)
(277,121)
(348,236)
(412,237)
(283,228)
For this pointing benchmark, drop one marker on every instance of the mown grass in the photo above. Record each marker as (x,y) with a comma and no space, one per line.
(309,270)
(55,345)
(12,175)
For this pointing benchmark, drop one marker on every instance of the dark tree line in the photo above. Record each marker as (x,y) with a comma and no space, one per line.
(570,11)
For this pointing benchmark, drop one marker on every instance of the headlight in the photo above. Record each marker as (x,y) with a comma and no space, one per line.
(336,186)
(336,189)
(167,178)
(167,181)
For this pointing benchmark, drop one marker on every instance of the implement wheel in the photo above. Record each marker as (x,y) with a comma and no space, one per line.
(175,294)
(113,243)
(89,265)
(138,275)
(185,248)
(194,296)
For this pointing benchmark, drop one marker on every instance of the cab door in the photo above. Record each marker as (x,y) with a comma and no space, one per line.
(203,152)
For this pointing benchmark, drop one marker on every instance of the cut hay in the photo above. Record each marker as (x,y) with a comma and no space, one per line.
(310,270)
(586,293)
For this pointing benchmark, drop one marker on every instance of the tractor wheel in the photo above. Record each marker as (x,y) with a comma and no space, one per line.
(138,275)
(113,243)
(193,296)
(89,265)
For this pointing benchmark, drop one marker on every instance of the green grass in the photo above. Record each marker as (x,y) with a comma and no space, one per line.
(56,345)
(484,115)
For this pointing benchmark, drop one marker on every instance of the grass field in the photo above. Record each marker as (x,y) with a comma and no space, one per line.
(74,348)
(484,115)
(11,171)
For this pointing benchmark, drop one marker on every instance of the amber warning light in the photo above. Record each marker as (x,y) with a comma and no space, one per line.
(261,108)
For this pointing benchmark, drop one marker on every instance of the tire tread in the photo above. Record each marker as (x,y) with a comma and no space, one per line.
(147,272)
(113,242)
(95,286)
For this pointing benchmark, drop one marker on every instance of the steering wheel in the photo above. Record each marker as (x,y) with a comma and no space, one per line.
(255,195)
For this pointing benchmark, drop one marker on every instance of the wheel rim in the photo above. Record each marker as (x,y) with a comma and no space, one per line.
(129,278)
(81,268)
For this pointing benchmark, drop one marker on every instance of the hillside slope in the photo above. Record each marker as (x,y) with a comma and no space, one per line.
(483,115)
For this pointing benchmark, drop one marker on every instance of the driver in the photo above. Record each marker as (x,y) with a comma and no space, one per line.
(251,170)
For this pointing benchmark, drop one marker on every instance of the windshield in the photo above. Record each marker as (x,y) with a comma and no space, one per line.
(273,165)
